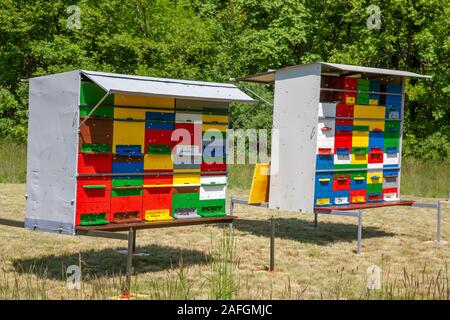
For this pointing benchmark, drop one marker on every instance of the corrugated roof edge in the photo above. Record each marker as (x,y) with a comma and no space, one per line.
(342,67)
(346,67)
(234,93)
(166,80)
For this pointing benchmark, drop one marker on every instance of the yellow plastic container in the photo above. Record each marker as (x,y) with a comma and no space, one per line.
(158,215)
(360,159)
(374,177)
(259,191)
(128,133)
(377,112)
(158,162)
(129,113)
(186,178)
(143,101)
(219,127)
(215,118)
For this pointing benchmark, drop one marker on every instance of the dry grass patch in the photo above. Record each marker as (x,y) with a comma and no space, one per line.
(310,263)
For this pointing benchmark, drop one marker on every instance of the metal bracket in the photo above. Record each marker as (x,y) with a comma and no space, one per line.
(95,108)
(12,223)
(102,234)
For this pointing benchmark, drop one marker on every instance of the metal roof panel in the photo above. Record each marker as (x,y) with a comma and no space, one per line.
(185,89)
(269,76)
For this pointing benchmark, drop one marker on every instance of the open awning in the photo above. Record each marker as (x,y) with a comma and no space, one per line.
(334,69)
(161,87)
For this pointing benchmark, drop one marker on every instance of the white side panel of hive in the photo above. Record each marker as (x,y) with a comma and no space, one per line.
(293,160)
(52,152)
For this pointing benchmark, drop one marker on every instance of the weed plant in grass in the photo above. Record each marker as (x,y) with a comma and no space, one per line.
(222,282)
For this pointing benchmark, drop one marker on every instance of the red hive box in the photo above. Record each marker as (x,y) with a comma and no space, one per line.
(341,182)
(344,110)
(126,209)
(94,189)
(343,139)
(94,163)
(211,167)
(157,198)
(194,137)
(357,196)
(376,155)
(153,137)
(156,179)
(350,83)
(93,197)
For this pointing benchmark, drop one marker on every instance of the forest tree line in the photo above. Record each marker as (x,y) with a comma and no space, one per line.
(216,40)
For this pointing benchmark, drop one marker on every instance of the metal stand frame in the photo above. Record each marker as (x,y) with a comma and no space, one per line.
(117,233)
(357,214)
(130,236)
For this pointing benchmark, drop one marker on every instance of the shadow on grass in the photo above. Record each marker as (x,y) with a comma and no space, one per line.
(109,262)
(303,231)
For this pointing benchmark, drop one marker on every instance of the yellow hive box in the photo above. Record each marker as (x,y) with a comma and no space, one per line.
(158,215)
(360,138)
(360,159)
(143,101)
(374,125)
(323,201)
(158,162)
(128,133)
(186,178)
(129,113)
(219,127)
(186,170)
(374,177)
(358,199)
(215,118)
(377,112)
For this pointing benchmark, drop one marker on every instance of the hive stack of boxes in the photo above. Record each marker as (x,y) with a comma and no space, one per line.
(358,141)
(149,158)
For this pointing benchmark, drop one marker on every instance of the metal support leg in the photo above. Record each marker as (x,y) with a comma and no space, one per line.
(439,221)
(359,232)
(230,225)
(231,206)
(134,241)
(316,220)
(131,238)
(272,245)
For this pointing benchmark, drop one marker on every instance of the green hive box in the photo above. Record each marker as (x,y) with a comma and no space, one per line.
(212,208)
(91,94)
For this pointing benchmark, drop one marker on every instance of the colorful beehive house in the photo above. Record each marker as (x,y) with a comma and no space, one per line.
(108,148)
(339,135)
